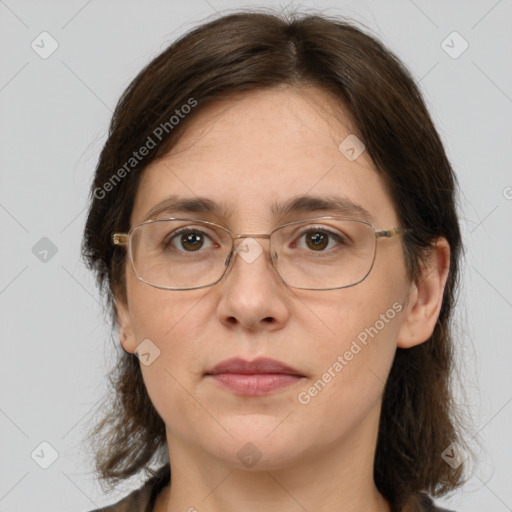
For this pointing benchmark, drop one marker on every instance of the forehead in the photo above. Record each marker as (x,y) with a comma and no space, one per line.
(253,153)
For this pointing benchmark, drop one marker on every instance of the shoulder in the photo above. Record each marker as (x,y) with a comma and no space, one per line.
(137,501)
(427,505)
(142,499)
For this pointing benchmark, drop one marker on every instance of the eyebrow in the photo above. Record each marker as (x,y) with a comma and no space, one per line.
(300,204)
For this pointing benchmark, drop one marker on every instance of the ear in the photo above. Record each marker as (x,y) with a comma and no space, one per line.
(425,297)
(125,327)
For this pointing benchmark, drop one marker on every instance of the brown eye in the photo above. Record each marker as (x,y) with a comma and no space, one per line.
(317,240)
(192,241)
(187,240)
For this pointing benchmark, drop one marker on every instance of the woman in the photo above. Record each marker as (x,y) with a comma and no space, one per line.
(304,365)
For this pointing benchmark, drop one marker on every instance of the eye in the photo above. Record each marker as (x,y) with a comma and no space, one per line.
(187,239)
(318,239)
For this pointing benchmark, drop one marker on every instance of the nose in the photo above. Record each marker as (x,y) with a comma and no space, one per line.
(253,296)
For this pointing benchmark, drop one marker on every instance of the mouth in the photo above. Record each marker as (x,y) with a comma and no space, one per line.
(253,378)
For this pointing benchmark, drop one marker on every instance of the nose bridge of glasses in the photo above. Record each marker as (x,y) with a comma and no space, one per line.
(248,248)
(240,243)
(255,235)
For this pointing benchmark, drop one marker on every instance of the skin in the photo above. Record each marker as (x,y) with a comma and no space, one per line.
(250,151)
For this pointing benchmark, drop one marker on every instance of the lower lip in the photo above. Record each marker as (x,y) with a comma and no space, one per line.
(255,384)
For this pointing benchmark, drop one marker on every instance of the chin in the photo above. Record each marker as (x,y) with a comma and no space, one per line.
(257,445)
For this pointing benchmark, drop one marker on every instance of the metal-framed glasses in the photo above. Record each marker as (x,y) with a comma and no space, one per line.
(323,253)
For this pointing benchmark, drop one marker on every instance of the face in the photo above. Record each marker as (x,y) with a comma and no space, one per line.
(249,153)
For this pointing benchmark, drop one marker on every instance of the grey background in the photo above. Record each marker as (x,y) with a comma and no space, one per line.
(56,344)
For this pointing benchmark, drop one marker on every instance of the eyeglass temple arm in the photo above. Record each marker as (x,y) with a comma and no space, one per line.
(388,233)
(120,238)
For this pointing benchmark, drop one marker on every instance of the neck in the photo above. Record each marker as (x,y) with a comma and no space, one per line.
(339,478)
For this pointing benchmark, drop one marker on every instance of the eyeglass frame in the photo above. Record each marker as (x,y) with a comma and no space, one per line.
(123,240)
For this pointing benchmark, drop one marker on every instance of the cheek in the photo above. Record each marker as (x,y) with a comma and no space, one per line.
(353,356)
(361,338)
(351,370)
(162,315)
(174,323)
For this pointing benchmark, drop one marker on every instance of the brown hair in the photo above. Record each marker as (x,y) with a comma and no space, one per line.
(246,51)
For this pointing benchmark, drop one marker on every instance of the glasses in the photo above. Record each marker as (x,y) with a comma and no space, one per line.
(324,253)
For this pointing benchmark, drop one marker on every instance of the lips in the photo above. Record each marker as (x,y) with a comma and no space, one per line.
(256,378)
(262,365)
